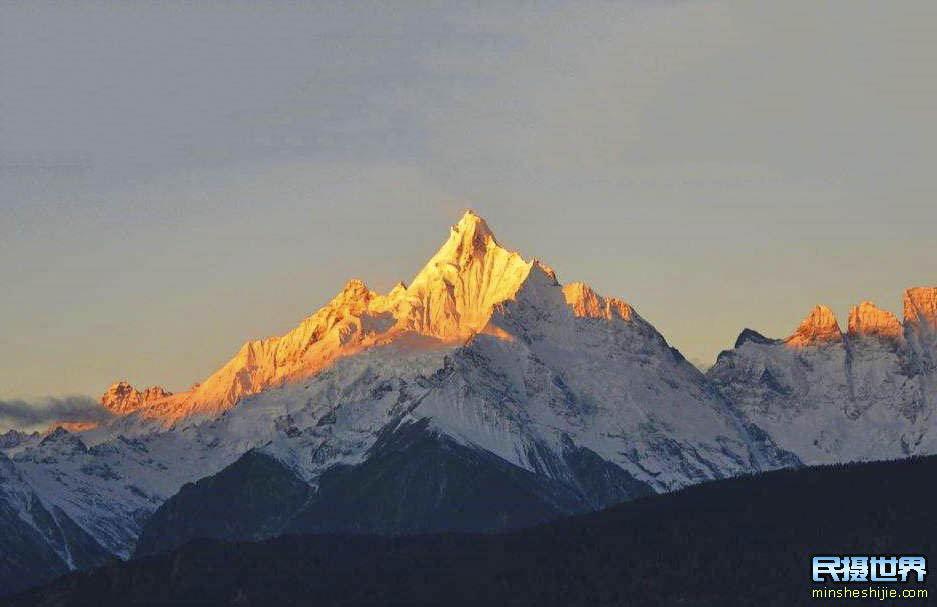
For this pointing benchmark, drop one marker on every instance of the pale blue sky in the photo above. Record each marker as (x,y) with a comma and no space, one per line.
(176,180)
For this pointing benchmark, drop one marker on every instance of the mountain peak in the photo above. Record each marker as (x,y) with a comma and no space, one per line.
(820,326)
(354,291)
(355,285)
(453,295)
(920,304)
(470,234)
(450,299)
(121,397)
(869,319)
(474,225)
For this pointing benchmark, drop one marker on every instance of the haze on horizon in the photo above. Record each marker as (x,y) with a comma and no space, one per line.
(175,181)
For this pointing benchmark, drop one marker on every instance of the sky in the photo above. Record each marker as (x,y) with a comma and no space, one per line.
(178,179)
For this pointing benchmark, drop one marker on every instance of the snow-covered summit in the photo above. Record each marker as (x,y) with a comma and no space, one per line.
(819,327)
(450,299)
(867,319)
(490,352)
(483,347)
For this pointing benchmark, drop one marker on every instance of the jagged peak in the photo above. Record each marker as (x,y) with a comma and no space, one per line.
(354,289)
(453,295)
(468,238)
(819,327)
(121,397)
(57,433)
(586,303)
(449,300)
(753,336)
(65,439)
(550,272)
(869,319)
(473,226)
(920,304)
(355,285)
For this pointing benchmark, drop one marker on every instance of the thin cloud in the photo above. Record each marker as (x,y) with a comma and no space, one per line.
(36,414)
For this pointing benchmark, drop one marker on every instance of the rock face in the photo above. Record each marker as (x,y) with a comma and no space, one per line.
(122,398)
(920,307)
(820,327)
(829,399)
(867,319)
(587,304)
(452,297)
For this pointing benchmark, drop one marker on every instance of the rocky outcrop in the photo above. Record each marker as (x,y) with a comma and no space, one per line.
(122,398)
(819,327)
(920,307)
(867,319)
(586,303)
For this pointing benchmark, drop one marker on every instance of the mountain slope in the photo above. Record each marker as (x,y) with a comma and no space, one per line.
(743,541)
(413,481)
(253,498)
(38,543)
(488,352)
(631,416)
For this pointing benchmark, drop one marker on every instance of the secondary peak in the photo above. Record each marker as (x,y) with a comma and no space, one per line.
(819,327)
(869,319)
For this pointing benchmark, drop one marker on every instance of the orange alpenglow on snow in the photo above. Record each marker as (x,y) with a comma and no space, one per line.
(869,319)
(70,427)
(920,306)
(586,303)
(819,327)
(122,398)
(453,295)
(448,301)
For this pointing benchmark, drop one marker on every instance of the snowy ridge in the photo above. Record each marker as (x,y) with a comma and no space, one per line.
(488,348)
(450,299)
(491,351)
(18,495)
(870,394)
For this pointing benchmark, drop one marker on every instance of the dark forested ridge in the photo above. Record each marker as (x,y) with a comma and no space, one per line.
(413,482)
(744,541)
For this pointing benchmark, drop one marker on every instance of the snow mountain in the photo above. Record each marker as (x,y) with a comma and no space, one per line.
(485,365)
(828,396)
